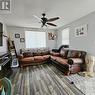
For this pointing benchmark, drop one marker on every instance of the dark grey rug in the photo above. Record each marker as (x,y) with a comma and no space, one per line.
(41,80)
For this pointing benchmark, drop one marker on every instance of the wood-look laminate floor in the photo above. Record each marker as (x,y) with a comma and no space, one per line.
(41,80)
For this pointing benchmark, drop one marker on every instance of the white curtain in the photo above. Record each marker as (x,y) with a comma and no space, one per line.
(35,39)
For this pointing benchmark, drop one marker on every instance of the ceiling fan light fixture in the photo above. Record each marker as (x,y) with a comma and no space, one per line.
(43,14)
(46,21)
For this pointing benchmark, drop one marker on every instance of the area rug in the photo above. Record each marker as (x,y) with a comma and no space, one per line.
(41,80)
(85,84)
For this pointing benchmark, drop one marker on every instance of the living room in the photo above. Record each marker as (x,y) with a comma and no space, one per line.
(73,27)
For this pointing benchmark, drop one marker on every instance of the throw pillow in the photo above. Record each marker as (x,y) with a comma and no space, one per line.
(63,53)
(74,54)
(27,54)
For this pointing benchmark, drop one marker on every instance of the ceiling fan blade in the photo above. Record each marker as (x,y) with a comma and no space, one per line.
(52,19)
(51,24)
(37,17)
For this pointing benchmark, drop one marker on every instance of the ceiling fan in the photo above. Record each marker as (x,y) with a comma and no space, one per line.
(45,21)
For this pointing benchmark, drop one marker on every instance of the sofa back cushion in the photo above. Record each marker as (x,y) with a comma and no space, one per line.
(42,51)
(34,52)
(45,52)
(27,54)
(74,54)
(63,53)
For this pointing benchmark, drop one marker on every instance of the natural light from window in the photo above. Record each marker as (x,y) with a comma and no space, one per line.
(35,39)
(65,36)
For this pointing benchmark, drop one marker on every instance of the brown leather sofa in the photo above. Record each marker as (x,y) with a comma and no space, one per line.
(33,56)
(68,61)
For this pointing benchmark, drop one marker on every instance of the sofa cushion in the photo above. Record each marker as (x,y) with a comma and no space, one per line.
(45,52)
(76,60)
(55,53)
(74,54)
(38,57)
(27,54)
(53,57)
(63,53)
(61,60)
(26,50)
(35,50)
(37,54)
(46,56)
(27,59)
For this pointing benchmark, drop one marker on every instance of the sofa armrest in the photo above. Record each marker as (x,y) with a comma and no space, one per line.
(75,60)
(70,62)
(20,56)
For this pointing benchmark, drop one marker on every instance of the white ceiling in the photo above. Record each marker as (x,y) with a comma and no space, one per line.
(22,11)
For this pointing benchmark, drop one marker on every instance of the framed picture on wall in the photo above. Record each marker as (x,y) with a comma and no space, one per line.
(81,31)
(51,36)
(17,35)
(22,39)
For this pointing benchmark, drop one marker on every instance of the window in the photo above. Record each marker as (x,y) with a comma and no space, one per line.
(65,36)
(35,39)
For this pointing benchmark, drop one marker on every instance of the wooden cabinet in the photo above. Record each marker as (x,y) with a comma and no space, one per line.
(5,65)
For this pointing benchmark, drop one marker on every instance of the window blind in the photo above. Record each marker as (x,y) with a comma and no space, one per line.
(35,39)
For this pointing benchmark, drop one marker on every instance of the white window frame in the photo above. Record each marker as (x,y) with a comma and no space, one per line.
(37,41)
(65,39)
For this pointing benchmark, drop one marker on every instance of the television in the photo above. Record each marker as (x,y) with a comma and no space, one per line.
(1,34)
